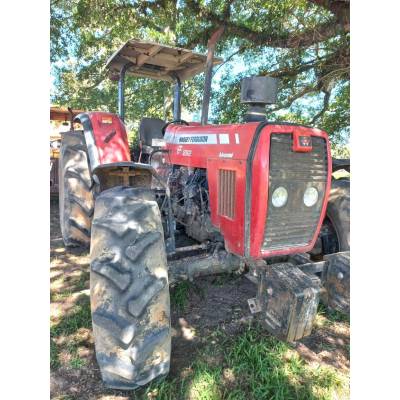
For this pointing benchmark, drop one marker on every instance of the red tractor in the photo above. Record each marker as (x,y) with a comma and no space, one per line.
(201,199)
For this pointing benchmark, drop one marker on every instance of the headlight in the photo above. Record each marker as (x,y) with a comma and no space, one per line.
(310,196)
(279,197)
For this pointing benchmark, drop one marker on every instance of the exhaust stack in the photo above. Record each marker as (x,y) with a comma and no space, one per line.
(257,92)
(209,66)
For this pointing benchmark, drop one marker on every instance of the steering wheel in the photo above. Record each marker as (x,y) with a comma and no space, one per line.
(175,121)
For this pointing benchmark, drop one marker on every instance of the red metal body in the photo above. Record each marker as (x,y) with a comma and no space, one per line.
(106,138)
(227,147)
(216,147)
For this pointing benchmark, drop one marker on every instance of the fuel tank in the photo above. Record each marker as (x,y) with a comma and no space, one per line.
(245,163)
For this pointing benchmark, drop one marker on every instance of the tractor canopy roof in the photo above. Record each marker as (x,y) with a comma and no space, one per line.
(157,61)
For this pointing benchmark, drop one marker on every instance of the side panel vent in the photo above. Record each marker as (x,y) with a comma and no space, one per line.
(227,193)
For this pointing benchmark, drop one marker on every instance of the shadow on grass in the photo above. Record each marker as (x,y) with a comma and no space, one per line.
(333,315)
(251,365)
(68,326)
(69,285)
(78,317)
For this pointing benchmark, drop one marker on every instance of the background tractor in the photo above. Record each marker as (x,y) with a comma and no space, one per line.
(201,199)
(60,119)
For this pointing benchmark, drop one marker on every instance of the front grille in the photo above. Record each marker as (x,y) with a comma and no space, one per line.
(294,224)
(226,193)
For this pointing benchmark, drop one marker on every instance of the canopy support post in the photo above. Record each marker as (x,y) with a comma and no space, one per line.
(209,67)
(177,98)
(121,93)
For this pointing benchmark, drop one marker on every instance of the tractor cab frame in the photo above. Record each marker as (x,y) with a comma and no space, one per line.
(145,59)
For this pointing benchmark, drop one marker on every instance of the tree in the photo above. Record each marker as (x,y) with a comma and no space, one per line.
(304,43)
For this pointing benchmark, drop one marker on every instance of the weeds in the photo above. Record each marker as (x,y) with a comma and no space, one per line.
(254,366)
(83,281)
(76,362)
(250,365)
(54,361)
(332,315)
(78,317)
(71,286)
(181,292)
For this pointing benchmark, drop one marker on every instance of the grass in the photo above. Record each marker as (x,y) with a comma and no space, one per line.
(180,293)
(78,317)
(54,351)
(73,285)
(332,315)
(82,282)
(76,362)
(251,365)
(67,327)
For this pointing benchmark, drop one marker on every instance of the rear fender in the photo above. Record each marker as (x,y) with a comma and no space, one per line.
(105,137)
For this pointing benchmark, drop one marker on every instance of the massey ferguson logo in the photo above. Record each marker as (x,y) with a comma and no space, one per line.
(193,139)
(305,141)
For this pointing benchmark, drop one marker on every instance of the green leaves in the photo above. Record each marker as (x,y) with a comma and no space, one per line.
(304,44)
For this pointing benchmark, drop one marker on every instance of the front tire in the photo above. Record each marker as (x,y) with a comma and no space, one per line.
(129,288)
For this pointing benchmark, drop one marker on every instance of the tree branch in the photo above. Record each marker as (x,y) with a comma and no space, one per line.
(340,8)
(324,108)
(307,89)
(296,39)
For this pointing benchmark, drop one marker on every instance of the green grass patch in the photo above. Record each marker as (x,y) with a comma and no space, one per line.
(73,285)
(83,282)
(180,294)
(78,317)
(76,362)
(54,361)
(332,315)
(252,365)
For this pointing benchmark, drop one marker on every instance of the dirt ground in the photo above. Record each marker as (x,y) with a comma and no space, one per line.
(209,304)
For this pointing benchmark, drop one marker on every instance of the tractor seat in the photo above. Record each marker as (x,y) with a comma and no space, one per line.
(149,129)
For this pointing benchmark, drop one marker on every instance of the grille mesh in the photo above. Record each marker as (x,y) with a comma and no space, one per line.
(226,194)
(294,224)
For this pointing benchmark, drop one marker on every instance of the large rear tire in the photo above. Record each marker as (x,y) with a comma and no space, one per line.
(75,191)
(336,279)
(338,212)
(129,288)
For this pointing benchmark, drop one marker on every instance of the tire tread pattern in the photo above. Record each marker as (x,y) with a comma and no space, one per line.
(338,211)
(129,288)
(75,191)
